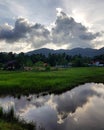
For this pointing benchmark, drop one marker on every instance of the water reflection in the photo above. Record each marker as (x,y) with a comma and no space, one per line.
(79,109)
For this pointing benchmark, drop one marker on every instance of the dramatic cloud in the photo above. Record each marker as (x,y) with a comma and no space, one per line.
(80,26)
(24,31)
(68,31)
(65,32)
(39,36)
(11,34)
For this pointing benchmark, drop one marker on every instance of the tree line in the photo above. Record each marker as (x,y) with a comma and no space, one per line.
(52,59)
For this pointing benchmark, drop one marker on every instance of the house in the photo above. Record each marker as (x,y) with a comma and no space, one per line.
(98,63)
(12,65)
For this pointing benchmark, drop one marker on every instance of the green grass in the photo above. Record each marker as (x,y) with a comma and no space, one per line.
(8,121)
(52,81)
(10,126)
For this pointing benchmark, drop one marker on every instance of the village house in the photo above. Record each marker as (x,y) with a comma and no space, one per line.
(12,65)
(98,63)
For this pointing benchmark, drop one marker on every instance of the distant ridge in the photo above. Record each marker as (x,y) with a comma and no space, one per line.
(76,51)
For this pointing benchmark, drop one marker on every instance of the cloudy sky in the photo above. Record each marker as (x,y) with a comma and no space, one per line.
(57,24)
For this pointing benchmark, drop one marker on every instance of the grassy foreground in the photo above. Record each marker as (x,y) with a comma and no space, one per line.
(52,81)
(10,126)
(8,121)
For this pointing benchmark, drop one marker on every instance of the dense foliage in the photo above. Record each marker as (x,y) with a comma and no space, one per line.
(52,59)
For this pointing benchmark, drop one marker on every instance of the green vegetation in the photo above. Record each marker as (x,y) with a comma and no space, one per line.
(10,126)
(53,81)
(8,121)
(19,82)
(12,61)
(43,73)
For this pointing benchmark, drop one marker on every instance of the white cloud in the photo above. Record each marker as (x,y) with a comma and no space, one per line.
(79,27)
(87,12)
(69,32)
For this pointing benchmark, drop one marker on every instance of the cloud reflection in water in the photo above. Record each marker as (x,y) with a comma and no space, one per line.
(80,108)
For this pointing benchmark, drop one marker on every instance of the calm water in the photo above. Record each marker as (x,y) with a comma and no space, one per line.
(79,109)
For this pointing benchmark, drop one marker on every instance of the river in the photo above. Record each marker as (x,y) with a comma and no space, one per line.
(81,108)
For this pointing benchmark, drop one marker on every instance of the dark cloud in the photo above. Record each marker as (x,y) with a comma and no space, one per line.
(25,31)
(89,36)
(11,34)
(65,32)
(68,31)
(6,32)
(39,36)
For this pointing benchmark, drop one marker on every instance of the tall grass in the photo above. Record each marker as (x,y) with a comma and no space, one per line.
(54,81)
(9,116)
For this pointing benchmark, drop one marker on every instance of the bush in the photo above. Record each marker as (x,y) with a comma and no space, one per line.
(47,68)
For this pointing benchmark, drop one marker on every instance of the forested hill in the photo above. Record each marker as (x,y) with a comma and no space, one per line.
(76,51)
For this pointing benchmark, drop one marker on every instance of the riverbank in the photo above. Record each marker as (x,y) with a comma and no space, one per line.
(4,125)
(51,81)
(8,121)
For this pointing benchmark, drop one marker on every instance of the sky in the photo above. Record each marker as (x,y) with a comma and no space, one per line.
(27,25)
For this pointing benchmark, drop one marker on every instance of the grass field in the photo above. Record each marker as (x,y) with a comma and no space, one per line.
(52,81)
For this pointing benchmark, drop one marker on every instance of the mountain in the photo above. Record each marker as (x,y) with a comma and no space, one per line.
(44,51)
(76,51)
